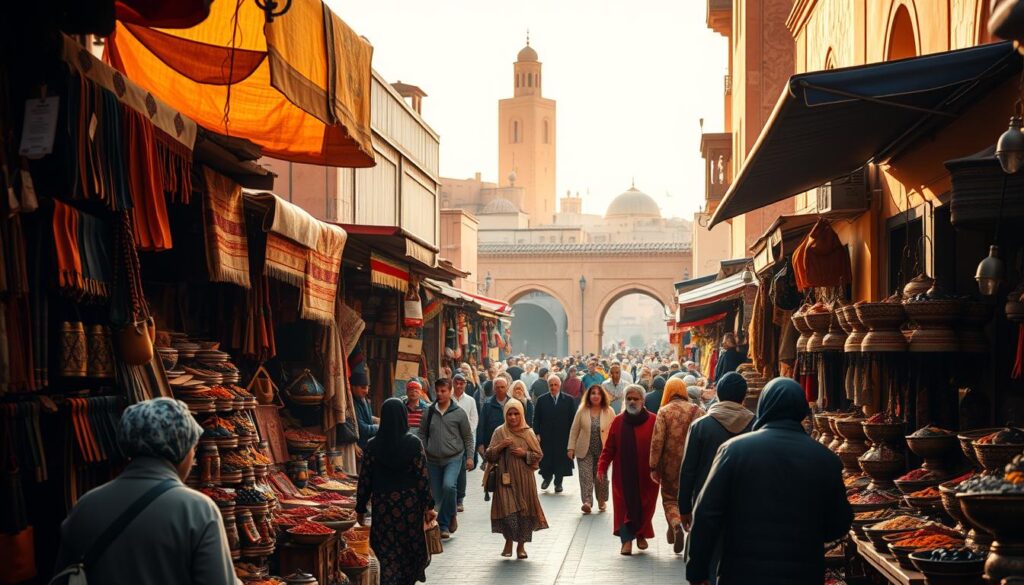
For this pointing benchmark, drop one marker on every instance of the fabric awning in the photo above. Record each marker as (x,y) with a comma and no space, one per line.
(400,245)
(827,124)
(299,86)
(487,305)
(717,290)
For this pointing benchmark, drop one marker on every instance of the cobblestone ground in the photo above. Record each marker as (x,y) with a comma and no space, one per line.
(574,549)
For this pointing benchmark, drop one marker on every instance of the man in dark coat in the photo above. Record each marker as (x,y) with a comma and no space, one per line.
(492,416)
(540,387)
(653,400)
(774,497)
(726,419)
(552,421)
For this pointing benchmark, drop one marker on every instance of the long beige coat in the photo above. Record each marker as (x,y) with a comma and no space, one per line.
(579,434)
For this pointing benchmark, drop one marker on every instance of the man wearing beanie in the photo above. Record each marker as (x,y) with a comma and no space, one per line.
(726,419)
(653,400)
(368,423)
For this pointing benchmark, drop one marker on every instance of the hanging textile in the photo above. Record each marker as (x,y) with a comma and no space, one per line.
(821,259)
(323,267)
(227,246)
(388,273)
(237,74)
(82,243)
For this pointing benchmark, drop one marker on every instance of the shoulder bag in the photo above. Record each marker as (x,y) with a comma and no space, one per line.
(75,574)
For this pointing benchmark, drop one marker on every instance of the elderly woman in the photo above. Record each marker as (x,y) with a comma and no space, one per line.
(668,444)
(586,441)
(394,480)
(515,452)
(182,525)
(634,491)
(518,391)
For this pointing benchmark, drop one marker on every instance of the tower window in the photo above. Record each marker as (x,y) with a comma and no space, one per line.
(546,141)
(529,79)
(517,80)
(515,131)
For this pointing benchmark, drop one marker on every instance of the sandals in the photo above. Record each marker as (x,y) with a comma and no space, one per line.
(585,508)
(627,549)
(522,555)
(641,543)
(507,551)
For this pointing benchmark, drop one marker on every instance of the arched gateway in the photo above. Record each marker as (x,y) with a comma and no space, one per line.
(609,272)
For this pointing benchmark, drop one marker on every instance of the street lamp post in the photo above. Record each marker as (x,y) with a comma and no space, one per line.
(583,330)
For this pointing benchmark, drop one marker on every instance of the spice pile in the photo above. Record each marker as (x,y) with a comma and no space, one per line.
(903,522)
(1011,482)
(930,431)
(219,495)
(956,555)
(1006,436)
(250,497)
(872,515)
(920,474)
(928,492)
(336,514)
(928,541)
(882,418)
(307,527)
(352,559)
(872,497)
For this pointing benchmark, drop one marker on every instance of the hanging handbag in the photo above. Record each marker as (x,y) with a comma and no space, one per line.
(346,433)
(432,532)
(412,309)
(262,386)
(491,481)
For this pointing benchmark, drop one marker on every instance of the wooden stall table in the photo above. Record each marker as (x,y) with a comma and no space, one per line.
(886,564)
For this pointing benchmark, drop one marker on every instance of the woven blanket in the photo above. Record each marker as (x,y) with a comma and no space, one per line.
(388,273)
(227,246)
(320,287)
(285,260)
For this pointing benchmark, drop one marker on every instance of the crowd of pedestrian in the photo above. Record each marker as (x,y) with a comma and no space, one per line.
(749,498)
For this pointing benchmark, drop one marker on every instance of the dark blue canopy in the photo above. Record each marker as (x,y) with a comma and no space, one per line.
(827,124)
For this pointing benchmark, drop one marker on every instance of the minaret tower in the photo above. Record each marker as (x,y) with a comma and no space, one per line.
(526,138)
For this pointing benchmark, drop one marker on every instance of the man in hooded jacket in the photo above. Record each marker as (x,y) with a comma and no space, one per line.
(726,419)
(773,498)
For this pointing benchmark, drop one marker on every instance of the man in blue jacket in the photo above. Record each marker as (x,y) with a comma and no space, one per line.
(364,411)
(492,416)
(774,498)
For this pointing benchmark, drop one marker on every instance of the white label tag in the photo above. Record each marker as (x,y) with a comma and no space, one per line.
(40,127)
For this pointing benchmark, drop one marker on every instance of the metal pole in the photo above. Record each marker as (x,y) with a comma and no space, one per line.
(583,318)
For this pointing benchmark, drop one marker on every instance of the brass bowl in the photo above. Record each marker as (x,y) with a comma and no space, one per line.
(902,555)
(931,447)
(967,439)
(1001,515)
(883,432)
(818,322)
(995,457)
(952,506)
(880,316)
(851,428)
(947,572)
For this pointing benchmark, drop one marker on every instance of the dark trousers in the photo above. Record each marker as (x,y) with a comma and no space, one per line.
(558,478)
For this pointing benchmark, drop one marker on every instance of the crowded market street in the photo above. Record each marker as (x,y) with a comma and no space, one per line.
(576,549)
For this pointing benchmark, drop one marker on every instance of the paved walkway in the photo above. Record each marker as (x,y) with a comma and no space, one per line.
(574,549)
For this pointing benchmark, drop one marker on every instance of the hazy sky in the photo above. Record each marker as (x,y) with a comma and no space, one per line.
(632,79)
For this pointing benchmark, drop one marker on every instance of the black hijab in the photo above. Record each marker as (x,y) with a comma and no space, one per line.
(394,449)
(783,402)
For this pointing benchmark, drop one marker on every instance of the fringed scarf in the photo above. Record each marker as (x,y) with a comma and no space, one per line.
(227,246)
(631,469)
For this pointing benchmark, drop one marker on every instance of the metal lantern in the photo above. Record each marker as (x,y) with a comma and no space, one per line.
(990,272)
(1010,147)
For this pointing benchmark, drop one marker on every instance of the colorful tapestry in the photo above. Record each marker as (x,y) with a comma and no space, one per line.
(227,246)
(388,273)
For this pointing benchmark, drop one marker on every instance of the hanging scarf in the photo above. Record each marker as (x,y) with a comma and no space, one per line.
(631,469)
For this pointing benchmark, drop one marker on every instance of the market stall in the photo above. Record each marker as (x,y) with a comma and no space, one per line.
(134,266)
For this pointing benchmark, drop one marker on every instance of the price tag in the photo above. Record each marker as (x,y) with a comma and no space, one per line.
(40,126)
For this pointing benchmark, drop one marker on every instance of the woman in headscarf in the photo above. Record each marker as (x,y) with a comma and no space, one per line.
(515,510)
(159,437)
(645,378)
(586,441)
(634,492)
(519,392)
(393,479)
(572,384)
(667,447)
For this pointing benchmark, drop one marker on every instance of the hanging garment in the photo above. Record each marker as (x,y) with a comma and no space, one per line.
(821,259)
(227,245)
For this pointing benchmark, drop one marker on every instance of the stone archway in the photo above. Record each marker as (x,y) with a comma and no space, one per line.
(540,323)
(663,298)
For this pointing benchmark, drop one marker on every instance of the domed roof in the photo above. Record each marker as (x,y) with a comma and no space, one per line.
(527,54)
(499,206)
(633,203)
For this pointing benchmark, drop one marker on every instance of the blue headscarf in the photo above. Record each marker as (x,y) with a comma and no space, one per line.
(160,427)
(781,400)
